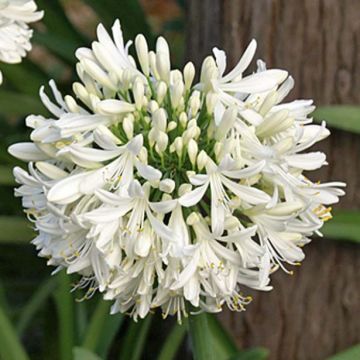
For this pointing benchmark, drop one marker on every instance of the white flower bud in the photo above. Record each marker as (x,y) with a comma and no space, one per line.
(192,123)
(152,136)
(193,218)
(161,142)
(232,223)
(171,126)
(202,159)
(192,151)
(159,119)
(167,185)
(138,92)
(176,93)
(189,134)
(153,106)
(142,53)
(194,103)
(184,188)
(179,145)
(81,92)
(143,155)
(163,59)
(211,101)
(128,126)
(152,62)
(218,149)
(161,91)
(175,76)
(97,73)
(183,119)
(127,78)
(71,104)
(209,71)
(189,74)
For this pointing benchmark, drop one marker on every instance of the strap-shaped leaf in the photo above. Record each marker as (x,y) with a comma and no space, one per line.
(343,117)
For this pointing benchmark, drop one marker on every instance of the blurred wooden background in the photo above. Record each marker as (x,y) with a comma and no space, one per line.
(314,313)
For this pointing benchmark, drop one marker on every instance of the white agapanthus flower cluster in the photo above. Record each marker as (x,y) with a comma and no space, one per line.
(15,34)
(159,192)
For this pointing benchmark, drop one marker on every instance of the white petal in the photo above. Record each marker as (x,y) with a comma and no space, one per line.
(309,161)
(27,151)
(247,193)
(114,107)
(246,172)
(193,197)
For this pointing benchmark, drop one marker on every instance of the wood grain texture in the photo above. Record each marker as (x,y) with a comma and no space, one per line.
(314,313)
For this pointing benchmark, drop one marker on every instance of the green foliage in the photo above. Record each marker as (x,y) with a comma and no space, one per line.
(345,225)
(350,354)
(343,117)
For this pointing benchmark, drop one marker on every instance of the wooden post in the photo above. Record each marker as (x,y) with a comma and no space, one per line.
(314,313)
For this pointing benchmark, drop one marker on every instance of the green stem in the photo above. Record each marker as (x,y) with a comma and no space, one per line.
(200,337)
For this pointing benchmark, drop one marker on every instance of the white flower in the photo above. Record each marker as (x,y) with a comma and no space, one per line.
(159,192)
(15,35)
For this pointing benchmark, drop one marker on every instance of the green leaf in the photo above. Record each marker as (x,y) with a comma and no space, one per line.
(130,13)
(15,230)
(64,304)
(102,329)
(173,342)
(10,345)
(349,354)
(135,339)
(252,354)
(63,47)
(84,354)
(35,304)
(345,225)
(6,175)
(57,22)
(10,100)
(223,344)
(201,338)
(343,117)
(25,77)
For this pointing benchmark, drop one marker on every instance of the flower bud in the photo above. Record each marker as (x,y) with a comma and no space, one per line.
(161,92)
(202,159)
(192,151)
(159,119)
(179,144)
(153,106)
(184,188)
(81,92)
(167,185)
(97,73)
(71,104)
(193,218)
(183,119)
(189,74)
(142,53)
(128,126)
(143,155)
(171,126)
(176,93)
(138,92)
(211,101)
(218,149)
(194,103)
(161,142)
(152,62)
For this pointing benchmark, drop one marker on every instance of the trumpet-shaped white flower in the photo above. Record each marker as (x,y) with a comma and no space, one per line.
(15,35)
(162,193)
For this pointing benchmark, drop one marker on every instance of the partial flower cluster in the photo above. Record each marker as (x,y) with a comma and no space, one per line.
(15,35)
(160,192)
